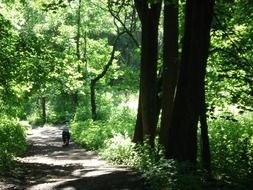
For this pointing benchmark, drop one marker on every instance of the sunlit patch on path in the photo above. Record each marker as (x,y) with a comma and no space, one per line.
(49,165)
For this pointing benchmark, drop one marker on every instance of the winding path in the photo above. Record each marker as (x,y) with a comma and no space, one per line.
(48,165)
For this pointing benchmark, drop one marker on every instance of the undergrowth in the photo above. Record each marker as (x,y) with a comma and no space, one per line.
(231,143)
(12,142)
(93,134)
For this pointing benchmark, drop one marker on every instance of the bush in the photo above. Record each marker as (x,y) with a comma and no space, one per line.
(161,173)
(119,149)
(232,145)
(90,134)
(82,113)
(122,121)
(12,142)
(93,134)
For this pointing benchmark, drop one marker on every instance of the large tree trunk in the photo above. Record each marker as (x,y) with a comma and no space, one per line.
(192,74)
(170,70)
(149,16)
(138,132)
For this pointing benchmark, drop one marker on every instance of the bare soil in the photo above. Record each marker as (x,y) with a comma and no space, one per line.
(50,166)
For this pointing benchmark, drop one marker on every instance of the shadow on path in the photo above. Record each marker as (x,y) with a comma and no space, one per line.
(121,180)
(48,165)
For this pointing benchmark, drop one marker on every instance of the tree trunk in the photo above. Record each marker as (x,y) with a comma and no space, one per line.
(74,99)
(138,132)
(93,100)
(99,76)
(205,147)
(43,109)
(149,16)
(192,74)
(78,55)
(170,71)
(78,27)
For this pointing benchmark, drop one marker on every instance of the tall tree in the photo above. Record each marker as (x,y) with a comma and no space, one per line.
(187,110)
(149,14)
(170,68)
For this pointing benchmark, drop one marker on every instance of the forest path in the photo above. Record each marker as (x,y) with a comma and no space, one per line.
(47,165)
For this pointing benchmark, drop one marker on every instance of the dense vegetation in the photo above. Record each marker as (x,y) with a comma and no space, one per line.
(81,63)
(13,142)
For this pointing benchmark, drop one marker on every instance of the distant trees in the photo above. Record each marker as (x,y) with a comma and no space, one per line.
(62,50)
(182,87)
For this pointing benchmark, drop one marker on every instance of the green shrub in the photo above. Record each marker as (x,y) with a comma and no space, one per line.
(160,172)
(35,119)
(119,149)
(12,141)
(93,134)
(90,134)
(122,121)
(82,113)
(157,170)
(232,145)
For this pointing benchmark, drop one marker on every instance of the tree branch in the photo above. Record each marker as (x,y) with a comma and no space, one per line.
(117,17)
(109,63)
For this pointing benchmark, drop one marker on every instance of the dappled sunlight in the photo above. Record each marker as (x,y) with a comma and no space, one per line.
(49,165)
(131,102)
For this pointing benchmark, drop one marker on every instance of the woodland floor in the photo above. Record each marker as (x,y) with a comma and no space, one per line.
(48,165)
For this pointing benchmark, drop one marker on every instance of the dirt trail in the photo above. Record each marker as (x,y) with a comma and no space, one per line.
(48,165)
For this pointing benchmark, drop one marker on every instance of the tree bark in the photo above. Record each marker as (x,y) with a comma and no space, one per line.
(43,109)
(93,100)
(138,132)
(170,71)
(149,15)
(192,74)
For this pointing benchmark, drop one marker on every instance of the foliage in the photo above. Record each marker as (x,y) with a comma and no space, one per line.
(90,134)
(119,149)
(8,65)
(158,171)
(232,145)
(12,141)
(93,134)
(35,119)
(38,58)
(82,112)
(61,109)
(229,70)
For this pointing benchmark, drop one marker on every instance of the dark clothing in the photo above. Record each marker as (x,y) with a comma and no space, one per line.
(65,137)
